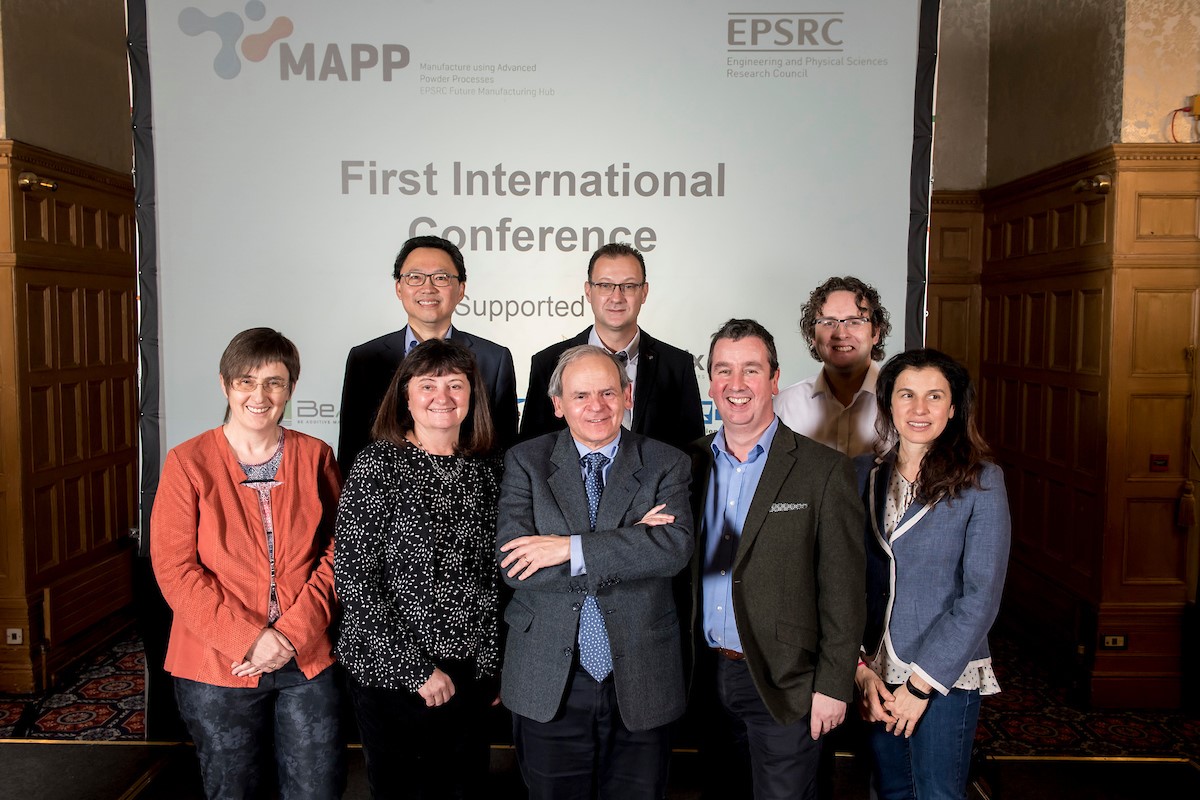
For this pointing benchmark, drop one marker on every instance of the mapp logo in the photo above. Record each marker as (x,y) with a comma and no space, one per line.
(228,27)
(818,31)
(363,58)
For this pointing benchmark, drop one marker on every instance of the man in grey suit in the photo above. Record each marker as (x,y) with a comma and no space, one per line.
(593,525)
(778,576)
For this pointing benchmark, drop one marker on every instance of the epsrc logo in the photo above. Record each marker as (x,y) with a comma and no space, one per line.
(818,31)
(352,62)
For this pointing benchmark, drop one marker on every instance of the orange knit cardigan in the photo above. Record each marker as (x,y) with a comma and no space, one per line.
(209,552)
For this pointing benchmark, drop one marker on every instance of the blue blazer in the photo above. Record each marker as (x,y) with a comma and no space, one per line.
(933,591)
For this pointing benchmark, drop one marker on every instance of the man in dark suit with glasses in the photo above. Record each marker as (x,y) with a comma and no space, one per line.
(666,397)
(431,279)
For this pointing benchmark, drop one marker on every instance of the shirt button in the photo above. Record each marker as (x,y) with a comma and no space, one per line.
(730,502)
(727,536)
(718,608)
(739,469)
(722,572)
(566,651)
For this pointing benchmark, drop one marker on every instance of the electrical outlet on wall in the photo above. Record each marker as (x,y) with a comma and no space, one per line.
(13,636)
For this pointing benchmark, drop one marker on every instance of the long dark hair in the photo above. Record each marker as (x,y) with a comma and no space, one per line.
(436,357)
(955,459)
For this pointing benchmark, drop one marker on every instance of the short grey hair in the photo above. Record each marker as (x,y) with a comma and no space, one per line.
(577,353)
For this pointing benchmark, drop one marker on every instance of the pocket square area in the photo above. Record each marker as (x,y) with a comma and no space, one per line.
(777,507)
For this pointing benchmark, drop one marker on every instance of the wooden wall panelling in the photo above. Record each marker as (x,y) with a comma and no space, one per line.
(955,259)
(1091,302)
(68,383)
(1044,294)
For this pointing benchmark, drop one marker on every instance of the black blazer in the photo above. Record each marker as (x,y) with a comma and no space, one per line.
(666,397)
(371,366)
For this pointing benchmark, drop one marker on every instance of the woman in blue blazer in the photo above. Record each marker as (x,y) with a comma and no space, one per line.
(937,539)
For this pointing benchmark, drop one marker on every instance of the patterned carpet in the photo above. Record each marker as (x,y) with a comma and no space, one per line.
(102,700)
(1031,717)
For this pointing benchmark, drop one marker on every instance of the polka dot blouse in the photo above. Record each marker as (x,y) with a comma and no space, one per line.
(414,565)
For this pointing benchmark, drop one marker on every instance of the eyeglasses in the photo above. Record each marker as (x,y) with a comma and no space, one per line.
(248,384)
(438,279)
(852,323)
(606,289)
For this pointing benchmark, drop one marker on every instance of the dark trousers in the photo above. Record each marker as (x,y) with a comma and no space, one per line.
(586,751)
(780,760)
(414,751)
(233,729)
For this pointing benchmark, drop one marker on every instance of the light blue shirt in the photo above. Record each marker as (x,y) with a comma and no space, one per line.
(731,488)
(411,340)
(578,566)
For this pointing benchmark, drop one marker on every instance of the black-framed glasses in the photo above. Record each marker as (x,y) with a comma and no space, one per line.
(248,384)
(851,323)
(606,288)
(438,279)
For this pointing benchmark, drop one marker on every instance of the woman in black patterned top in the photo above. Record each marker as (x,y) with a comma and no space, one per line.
(414,569)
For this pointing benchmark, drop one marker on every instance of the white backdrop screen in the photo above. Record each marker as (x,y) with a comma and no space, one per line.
(749,149)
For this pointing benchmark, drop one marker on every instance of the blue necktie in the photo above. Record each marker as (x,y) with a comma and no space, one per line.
(594,653)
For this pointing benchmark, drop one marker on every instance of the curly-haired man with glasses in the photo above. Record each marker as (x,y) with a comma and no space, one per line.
(845,325)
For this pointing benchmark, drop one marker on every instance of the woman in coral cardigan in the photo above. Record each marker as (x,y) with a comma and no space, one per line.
(242,545)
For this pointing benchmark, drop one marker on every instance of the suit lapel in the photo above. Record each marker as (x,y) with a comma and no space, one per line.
(647,375)
(621,485)
(702,466)
(780,461)
(877,484)
(881,476)
(566,483)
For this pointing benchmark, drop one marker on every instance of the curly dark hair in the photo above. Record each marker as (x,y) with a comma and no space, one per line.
(865,297)
(954,461)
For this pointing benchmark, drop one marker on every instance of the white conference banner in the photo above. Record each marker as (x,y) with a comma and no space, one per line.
(748,153)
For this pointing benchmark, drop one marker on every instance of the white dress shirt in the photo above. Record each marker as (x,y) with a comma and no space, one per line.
(810,409)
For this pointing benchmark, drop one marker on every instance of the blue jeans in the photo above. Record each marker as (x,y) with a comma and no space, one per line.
(233,727)
(933,763)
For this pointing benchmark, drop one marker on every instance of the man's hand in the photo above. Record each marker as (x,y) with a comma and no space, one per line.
(437,690)
(654,517)
(528,554)
(827,713)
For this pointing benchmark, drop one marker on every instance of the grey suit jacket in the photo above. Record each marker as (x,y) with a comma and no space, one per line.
(798,586)
(629,570)
(371,366)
